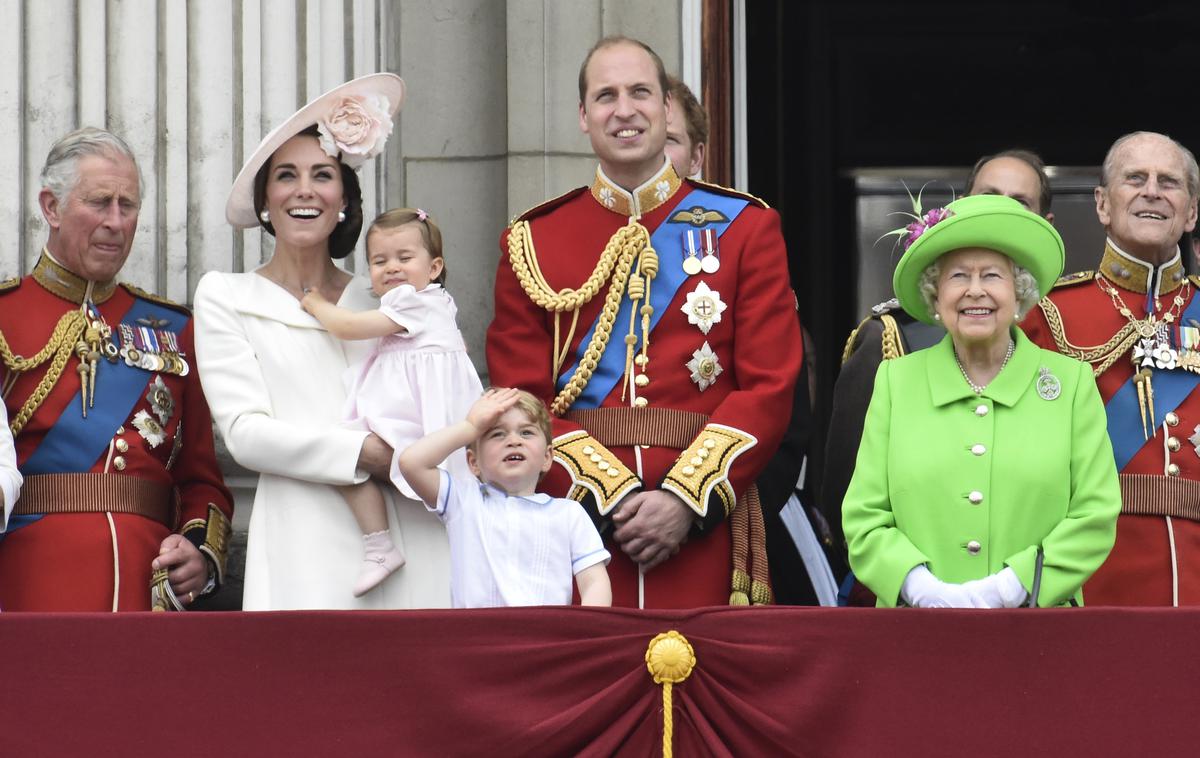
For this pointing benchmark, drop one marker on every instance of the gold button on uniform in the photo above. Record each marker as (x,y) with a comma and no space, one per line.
(122,446)
(641,402)
(973,547)
(1172,444)
(1172,419)
(119,463)
(975,496)
(978,449)
(1172,470)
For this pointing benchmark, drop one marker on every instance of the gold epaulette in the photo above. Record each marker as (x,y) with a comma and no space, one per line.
(1195,280)
(704,467)
(722,190)
(1076,278)
(594,470)
(139,292)
(548,205)
(893,345)
(10,284)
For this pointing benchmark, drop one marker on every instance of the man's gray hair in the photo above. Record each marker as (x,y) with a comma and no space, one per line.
(60,174)
(1025,286)
(1189,161)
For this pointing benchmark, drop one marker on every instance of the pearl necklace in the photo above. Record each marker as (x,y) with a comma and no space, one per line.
(979,388)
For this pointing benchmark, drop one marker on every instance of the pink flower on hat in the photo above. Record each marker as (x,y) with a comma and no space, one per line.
(357,127)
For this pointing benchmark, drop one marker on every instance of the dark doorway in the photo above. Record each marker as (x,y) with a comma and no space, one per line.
(838,86)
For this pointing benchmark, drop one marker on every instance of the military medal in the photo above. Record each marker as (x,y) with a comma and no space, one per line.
(691,258)
(1048,386)
(703,307)
(152,349)
(161,401)
(149,429)
(1195,440)
(705,367)
(710,263)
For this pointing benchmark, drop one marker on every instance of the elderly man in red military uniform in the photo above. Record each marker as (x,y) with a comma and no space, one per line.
(654,317)
(123,506)
(1137,321)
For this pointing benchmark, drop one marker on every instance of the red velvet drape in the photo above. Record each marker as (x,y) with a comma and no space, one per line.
(572,681)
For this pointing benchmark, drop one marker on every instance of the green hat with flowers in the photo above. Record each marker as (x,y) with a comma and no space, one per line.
(991,222)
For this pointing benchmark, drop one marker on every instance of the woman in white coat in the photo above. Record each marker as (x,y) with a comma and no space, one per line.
(273,375)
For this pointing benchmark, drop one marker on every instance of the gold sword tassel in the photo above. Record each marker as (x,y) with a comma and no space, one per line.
(1152,428)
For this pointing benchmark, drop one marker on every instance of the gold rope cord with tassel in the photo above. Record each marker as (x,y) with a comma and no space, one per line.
(58,350)
(622,249)
(751,583)
(1100,356)
(669,659)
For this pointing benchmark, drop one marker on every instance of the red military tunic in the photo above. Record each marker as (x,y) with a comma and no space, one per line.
(1156,558)
(100,561)
(738,418)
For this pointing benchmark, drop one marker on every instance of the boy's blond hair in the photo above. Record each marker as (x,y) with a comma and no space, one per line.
(534,410)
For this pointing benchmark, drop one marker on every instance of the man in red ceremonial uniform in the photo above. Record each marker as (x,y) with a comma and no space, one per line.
(649,312)
(112,431)
(1135,320)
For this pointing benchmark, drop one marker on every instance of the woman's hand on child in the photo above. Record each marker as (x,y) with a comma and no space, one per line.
(488,409)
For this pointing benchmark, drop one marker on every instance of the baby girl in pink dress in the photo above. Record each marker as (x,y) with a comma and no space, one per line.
(417,380)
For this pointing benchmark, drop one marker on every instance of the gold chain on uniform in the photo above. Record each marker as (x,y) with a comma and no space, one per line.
(1105,355)
(59,350)
(622,249)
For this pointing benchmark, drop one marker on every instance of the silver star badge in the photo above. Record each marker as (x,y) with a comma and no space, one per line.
(705,367)
(162,402)
(1195,440)
(703,307)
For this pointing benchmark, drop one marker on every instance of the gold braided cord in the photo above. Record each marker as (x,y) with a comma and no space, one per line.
(59,349)
(893,346)
(1101,356)
(622,249)
(848,349)
(670,659)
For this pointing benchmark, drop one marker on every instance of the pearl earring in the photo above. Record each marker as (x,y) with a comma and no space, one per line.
(937,317)
(266,217)
(341,216)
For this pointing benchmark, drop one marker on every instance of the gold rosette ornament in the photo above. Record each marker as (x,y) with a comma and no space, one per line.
(669,659)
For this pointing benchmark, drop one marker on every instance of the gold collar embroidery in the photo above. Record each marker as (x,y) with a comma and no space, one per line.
(69,286)
(656,191)
(1134,274)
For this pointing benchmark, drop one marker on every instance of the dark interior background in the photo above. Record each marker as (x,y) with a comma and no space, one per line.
(838,86)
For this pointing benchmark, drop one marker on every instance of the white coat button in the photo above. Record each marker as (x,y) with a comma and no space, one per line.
(975,496)
(981,410)
(978,449)
(973,547)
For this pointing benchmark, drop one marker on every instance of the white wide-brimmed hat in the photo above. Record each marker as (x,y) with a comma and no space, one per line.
(354,120)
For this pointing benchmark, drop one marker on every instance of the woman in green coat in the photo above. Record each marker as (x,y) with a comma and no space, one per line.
(985,477)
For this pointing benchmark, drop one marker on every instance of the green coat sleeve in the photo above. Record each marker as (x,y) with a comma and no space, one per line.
(880,554)
(1076,547)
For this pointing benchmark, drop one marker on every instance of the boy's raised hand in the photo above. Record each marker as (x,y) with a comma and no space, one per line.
(488,409)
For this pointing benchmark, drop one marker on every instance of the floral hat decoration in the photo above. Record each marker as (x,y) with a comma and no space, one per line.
(991,222)
(353,120)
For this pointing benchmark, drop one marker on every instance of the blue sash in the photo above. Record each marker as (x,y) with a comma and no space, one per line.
(666,240)
(1170,389)
(74,443)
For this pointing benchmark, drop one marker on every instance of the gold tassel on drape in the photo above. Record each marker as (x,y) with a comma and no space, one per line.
(670,659)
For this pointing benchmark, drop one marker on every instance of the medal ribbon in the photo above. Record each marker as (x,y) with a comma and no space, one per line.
(1171,388)
(74,443)
(671,277)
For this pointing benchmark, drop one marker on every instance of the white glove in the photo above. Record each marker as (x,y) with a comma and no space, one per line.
(1000,590)
(921,589)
